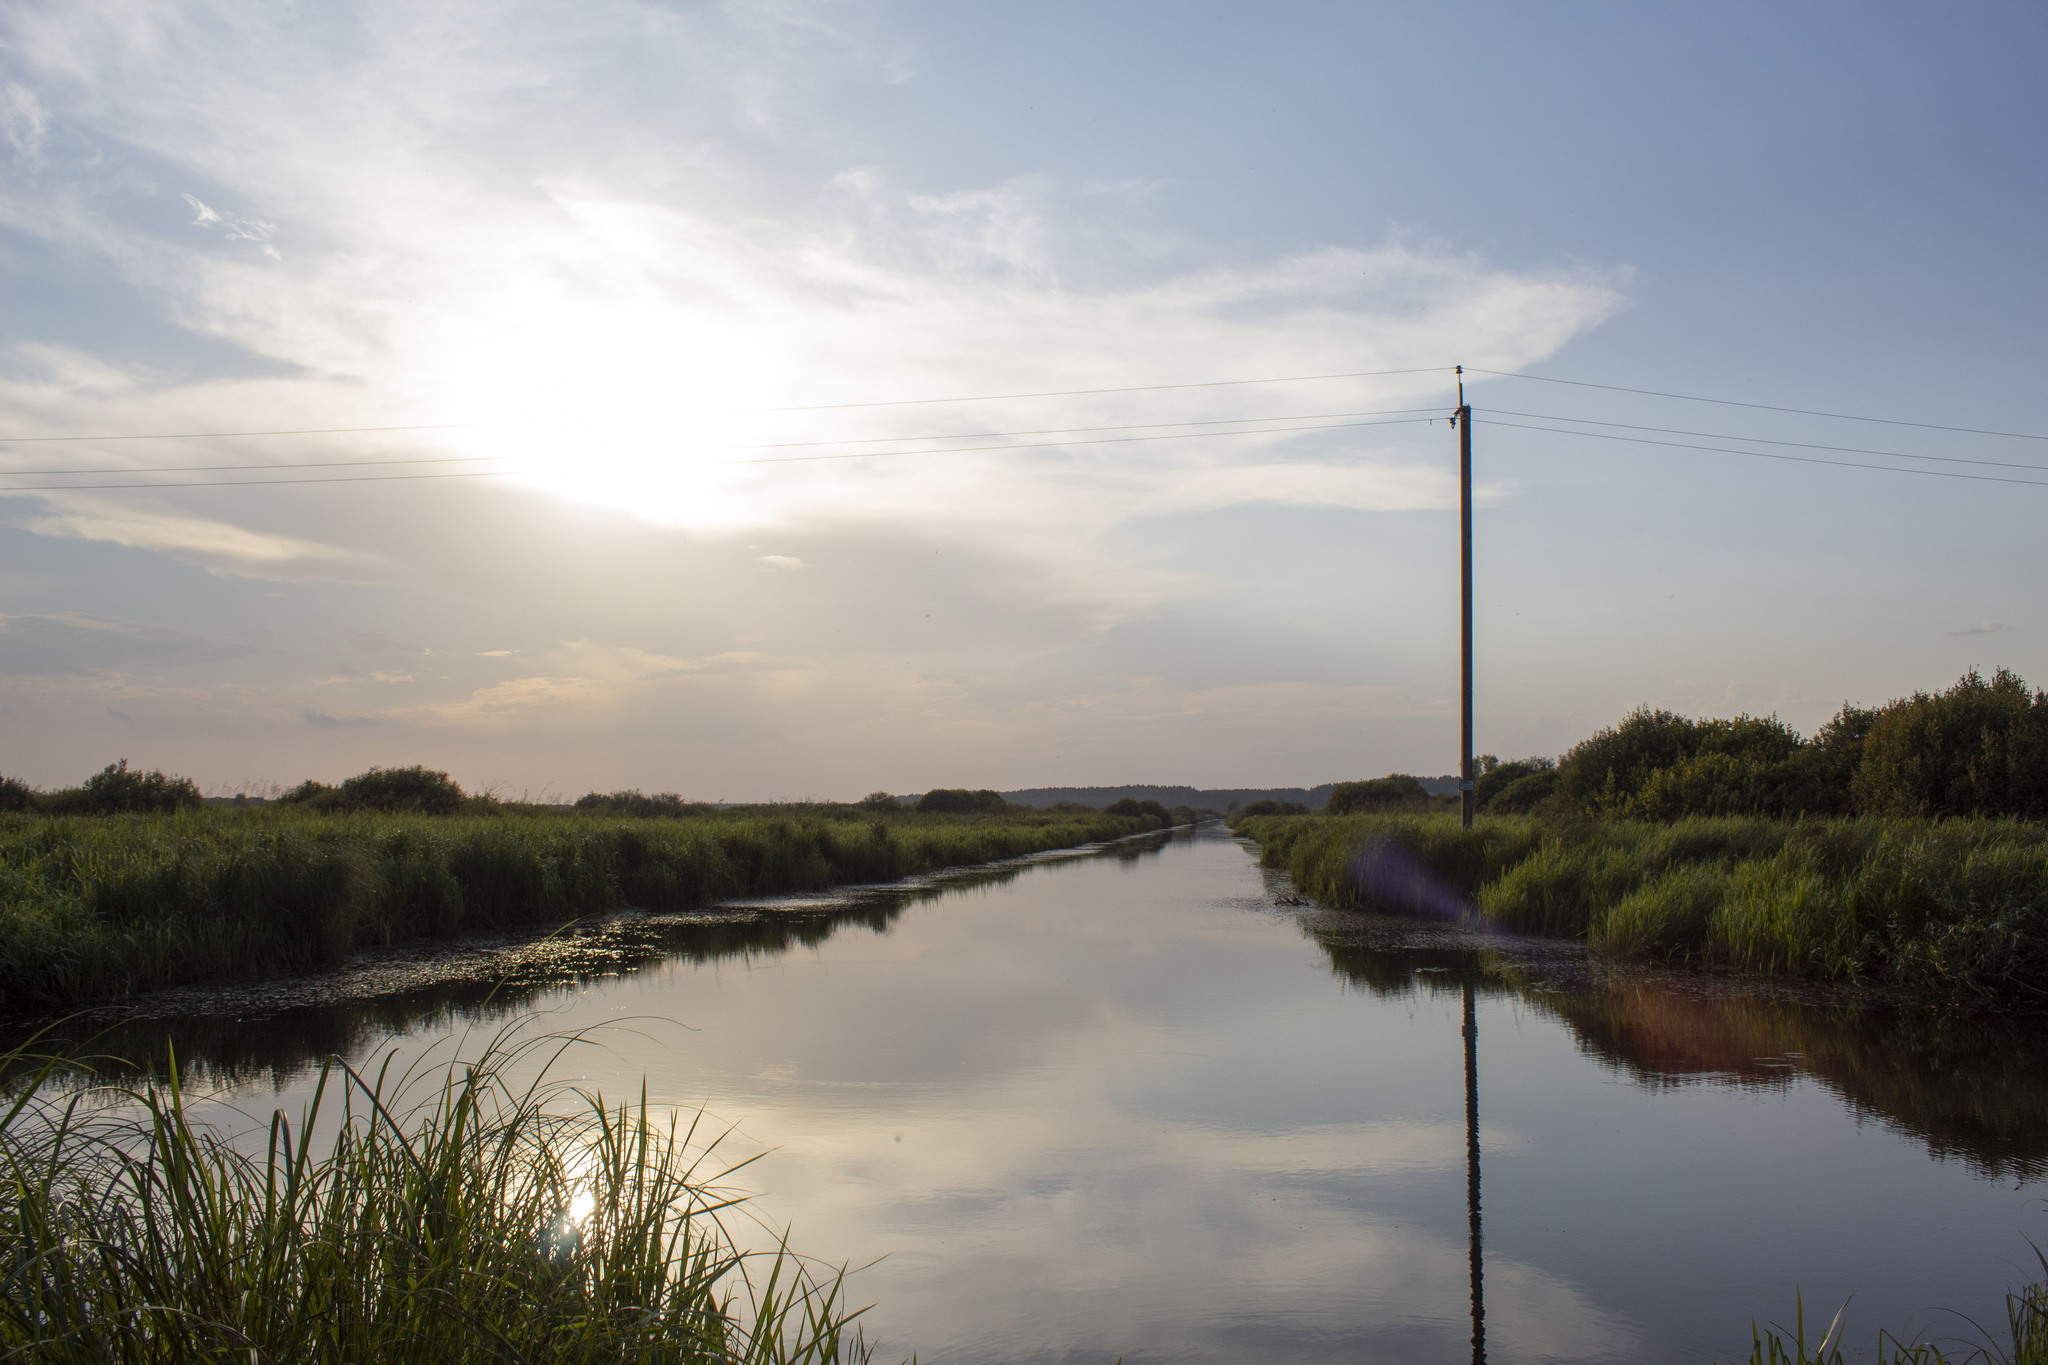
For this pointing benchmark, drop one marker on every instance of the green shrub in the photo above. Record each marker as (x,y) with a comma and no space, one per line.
(1379,793)
(959,801)
(1980,748)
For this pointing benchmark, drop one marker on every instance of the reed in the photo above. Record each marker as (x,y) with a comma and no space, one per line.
(1955,909)
(490,1222)
(2024,1340)
(97,907)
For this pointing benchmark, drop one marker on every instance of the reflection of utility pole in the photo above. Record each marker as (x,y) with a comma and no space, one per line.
(1472,1135)
(1464,424)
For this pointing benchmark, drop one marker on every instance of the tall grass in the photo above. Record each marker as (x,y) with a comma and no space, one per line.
(1953,908)
(487,1224)
(92,908)
(2023,1341)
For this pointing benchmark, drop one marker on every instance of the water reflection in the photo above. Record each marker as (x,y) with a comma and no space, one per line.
(1119,1106)
(269,1033)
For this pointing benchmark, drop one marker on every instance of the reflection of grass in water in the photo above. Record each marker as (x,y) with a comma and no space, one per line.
(92,908)
(1953,909)
(1972,1087)
(232,1041)
(490,1222)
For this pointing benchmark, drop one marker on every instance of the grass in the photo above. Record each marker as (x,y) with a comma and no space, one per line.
(492,1222)
(98,907)
(1955,909)
(2023,1342)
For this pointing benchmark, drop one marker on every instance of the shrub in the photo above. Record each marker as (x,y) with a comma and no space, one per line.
(1265,807)
(1980,748)
(880,801)
(1380,793)
(1495,777)
(639,805)
(960,801)
(117,789)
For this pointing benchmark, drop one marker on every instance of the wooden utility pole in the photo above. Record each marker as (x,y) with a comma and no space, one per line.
(1465,776)
(1476,1252)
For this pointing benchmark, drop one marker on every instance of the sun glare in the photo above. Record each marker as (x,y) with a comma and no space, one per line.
(614,369)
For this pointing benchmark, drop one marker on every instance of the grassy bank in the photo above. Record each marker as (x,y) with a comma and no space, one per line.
(1954,909)
(490,1223)
(97,907)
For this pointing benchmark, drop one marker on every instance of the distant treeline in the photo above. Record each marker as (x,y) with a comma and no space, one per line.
(118,789)
(1221,800)
(1980,748)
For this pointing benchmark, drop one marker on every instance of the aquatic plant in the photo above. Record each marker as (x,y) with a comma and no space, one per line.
(1953,909)
(97,907)
(2023,1342)
(490,1221)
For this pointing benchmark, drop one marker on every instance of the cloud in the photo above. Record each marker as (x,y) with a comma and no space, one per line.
(610,319)
(321,721)
(74,644)
(206,540)
(782,561)
(1981,628)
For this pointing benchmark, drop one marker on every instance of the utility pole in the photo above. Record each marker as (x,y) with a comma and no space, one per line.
(1476,1252)
(1464,423)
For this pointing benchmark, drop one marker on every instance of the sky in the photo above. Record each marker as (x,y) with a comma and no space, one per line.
(679,351)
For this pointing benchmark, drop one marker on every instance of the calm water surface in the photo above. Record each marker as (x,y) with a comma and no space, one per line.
(1133,1104)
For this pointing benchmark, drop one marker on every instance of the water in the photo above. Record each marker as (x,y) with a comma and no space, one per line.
(1134,1105)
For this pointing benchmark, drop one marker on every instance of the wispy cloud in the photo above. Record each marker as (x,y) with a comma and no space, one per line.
(1981,628)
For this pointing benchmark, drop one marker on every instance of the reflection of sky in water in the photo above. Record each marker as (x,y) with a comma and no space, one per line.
(1124,1107)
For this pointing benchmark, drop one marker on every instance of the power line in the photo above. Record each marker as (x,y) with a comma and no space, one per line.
(226,435)
(1075,431)
(247,483)
(1762,407)
(1062,445)
(212,468)
(1768,455)
(483,459)
(1766,440)
(1086,393)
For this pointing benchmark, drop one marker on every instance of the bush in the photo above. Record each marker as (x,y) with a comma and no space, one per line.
(1266,807)
(1380,793)
(16,795)
(960,801)
(881,801)
(638,805)
(1980,748)
(416,789)
(118,789)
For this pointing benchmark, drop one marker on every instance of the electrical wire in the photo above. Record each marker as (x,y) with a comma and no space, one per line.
(1076,431)
(1768,455)
(1135,388)
(248,483)
(213,468)
(1062,445)
(1762,407)
(226,435)
(1766,440)
(479,459)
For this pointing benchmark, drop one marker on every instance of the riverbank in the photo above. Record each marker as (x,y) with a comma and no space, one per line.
(1949,910)
(94,908)
(458,1215)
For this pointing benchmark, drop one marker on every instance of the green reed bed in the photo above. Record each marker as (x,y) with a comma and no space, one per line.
(97,907)
(1956,909)
(2022,1339)
(492,1222)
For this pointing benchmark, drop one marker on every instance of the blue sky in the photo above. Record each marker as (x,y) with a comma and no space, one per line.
(612,244)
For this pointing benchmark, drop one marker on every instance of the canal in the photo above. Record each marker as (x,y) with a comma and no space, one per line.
(1140,1104)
